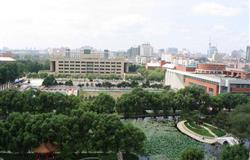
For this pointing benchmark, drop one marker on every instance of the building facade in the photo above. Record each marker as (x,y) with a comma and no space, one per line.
(67,62)
(146,50)
(248,54)
(214,78)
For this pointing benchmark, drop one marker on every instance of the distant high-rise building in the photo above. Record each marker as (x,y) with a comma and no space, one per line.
(237,54)
(172,51)
(86,50)
(133,52)
(248,54)
(106,54)
(211,50)
(146,50)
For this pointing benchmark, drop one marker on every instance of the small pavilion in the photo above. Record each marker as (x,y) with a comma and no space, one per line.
(45,151)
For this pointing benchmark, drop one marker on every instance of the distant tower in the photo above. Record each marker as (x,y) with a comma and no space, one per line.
(248,54)
(211,49)
(106,54)
(210,44)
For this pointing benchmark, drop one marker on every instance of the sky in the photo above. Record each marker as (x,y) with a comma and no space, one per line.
(120,24)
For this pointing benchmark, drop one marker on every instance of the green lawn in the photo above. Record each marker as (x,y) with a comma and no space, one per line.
(198,129)
(164,141)
(215,130)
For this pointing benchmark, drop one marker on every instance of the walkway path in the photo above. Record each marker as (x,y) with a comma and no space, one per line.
(212,133)
(181,126)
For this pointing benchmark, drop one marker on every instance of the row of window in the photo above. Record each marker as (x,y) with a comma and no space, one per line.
(66,65)
(78,62)
(240,85)
(89,72)
(102,69)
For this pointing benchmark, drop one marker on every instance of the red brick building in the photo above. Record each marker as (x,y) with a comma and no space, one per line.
(214,78)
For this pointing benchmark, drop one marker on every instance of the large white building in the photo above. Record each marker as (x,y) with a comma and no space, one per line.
(146,50)
(66,61)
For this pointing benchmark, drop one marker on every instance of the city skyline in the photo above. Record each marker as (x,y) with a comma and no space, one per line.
(117,25)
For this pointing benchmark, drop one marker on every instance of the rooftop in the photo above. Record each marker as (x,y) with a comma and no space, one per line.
(218,78)
(6,59)
(153,64)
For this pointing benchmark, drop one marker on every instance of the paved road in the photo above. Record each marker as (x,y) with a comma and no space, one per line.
(181,126)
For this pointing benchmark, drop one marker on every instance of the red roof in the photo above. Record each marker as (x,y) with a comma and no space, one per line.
(45,148)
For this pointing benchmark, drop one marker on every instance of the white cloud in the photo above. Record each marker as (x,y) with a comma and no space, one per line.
(116,24)
(218,29)
(215,9)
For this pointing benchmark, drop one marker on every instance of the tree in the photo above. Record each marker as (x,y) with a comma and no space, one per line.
(192,154)
(155,75)
(134,84)
(166,99)
(236,152)
(221,120)
(49,81)
(230,101)
(107,84)
(146,84)
(239,121)
(125,105)
(104,103)
(196,98)
(69,83)
(131,139)
(216,104)
(10,71)
(154,102)
(4,136)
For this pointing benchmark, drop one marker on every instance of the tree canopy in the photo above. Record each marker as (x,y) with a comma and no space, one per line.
(193,154)
(239,121)
(50,81)
(236,152)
